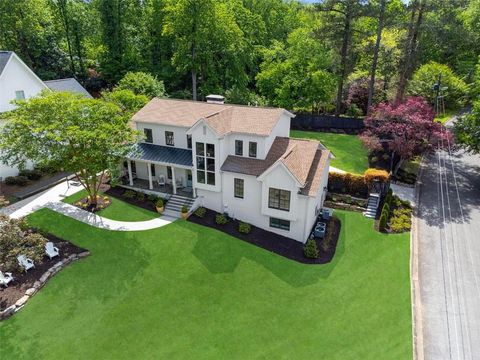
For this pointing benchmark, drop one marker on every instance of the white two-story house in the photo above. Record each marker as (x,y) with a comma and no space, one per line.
(19,82)
(232,159)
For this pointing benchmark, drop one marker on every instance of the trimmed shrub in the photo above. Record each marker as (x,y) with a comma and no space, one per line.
(141,196)
(383,222)
(221,219)
(244,227)
(184,209)
(159,203)
(16,180)
(375,174)
(130,194)
(347,183)
(153,198)
(31,174)
(311,250)
(200,212)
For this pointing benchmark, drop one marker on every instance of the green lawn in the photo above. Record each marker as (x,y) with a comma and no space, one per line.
(189,292)
(350,154)
(118,209)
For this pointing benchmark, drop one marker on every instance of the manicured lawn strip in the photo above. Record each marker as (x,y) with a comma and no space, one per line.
(187,291)
(350,154)
(118,210)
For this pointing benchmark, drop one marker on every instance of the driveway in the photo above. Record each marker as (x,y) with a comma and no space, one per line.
(449,256)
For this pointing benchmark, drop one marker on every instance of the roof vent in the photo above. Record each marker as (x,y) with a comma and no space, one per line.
(215,99)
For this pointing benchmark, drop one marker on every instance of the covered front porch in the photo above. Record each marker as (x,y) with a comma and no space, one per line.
(159,169)
(164,191)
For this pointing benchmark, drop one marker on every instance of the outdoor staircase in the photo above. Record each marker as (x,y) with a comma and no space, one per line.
(372,206)
(175,203)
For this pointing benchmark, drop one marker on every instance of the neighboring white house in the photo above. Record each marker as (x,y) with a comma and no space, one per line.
(17,82)
(233,159)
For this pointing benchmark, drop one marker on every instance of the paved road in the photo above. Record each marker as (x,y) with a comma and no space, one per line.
(449,256)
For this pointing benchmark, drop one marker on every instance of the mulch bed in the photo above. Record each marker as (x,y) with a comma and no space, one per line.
(24,281)
(119,193)
(278,244)
(101,204)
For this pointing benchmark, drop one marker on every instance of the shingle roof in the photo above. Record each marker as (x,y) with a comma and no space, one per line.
(305,159)
(69,84)
(4,57)
(162,154)
(223,118)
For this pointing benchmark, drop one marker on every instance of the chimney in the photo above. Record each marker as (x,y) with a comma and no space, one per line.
(215,99)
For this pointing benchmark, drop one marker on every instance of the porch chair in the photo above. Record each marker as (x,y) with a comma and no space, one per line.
(51,250)
(161,180)
(25,262)
(5,278)
(179,183)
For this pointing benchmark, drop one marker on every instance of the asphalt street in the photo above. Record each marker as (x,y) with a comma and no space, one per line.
(449,255)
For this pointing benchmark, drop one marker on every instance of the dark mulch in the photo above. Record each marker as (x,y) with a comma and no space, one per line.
(272,242)
(85,205)
(23,281)
(32,187)
(119,193)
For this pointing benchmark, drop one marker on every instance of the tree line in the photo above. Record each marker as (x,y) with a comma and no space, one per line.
(340,56)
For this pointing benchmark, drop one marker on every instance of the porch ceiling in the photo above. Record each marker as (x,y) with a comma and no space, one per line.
(161,154)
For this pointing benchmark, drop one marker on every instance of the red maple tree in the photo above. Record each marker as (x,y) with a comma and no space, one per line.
(407,129)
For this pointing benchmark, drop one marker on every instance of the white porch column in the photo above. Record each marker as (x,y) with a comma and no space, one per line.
(194,192)
(174,181)
(130,177)
(150,180)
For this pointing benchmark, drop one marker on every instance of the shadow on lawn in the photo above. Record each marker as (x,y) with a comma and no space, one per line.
(220,255)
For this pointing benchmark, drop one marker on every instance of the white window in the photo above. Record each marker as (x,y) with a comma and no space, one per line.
(19,95)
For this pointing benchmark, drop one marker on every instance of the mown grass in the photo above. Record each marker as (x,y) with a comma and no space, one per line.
(185,291)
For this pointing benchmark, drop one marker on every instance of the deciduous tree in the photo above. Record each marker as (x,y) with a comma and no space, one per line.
(85,136)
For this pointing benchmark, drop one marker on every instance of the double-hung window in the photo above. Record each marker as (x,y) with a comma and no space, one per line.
(239,147)
(148,135)
(238,188)
(19,95)
(252,149)
(205,163)
(169,140)
(279,199)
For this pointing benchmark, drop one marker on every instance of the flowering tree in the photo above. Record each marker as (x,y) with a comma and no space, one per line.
(407,129)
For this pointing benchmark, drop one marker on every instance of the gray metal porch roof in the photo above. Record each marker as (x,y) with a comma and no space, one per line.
(161,154)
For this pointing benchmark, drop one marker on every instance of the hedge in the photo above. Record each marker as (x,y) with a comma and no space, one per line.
(347,184)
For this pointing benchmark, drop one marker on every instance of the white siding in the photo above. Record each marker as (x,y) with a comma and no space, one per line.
(158,132)
(16,77)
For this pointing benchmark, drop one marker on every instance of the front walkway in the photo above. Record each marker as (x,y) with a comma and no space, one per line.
(52,199)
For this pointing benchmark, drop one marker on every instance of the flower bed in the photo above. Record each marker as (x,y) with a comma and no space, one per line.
(281,245)
(136,198)
(26,284)
(102,203)
(396,215)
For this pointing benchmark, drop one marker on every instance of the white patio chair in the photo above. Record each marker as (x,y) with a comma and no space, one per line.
(179,183)
(5,278)
(51,250)
(25,262)
(161,180)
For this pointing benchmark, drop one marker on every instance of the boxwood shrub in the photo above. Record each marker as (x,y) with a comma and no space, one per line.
(244,228)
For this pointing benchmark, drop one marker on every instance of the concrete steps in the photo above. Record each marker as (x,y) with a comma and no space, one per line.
(372,206)
(175,204)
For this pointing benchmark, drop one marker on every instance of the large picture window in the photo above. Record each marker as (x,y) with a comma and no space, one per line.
(148,135)
(279,199)
(239,147)
(169,140)
(239,188)
(205,161)
(280,224)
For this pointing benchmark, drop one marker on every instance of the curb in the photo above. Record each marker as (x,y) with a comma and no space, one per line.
(417,318)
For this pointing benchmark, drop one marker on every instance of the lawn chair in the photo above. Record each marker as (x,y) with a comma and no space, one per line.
(161,180)
(5,279)
(51,250)
(25,262)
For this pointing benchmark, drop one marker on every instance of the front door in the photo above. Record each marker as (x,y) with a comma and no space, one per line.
(189,178)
